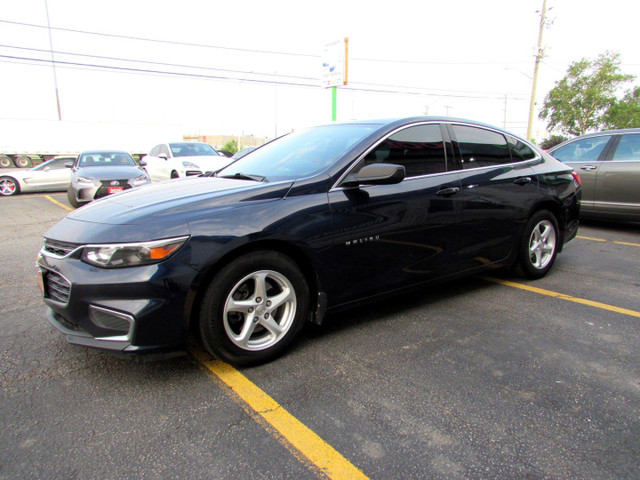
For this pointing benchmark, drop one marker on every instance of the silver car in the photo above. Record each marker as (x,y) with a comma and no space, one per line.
(100,173)
(50,176)
(609,165)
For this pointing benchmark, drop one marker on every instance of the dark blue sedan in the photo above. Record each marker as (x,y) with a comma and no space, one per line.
(315,221)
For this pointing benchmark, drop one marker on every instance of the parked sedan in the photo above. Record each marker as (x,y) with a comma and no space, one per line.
(50,176)
(101,173)
(183,159)
(312,222)
(609,165)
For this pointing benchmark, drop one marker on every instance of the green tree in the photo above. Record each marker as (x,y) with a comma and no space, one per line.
(625,113)
(552,141)
(231,146)
(580,101)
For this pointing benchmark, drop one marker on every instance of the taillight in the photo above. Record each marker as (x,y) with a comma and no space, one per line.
(576,177)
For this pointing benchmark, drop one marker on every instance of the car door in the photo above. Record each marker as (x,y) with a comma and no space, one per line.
(53,175)
(586,156)
(400,234)
(156,166)
(497,193)
(617,183)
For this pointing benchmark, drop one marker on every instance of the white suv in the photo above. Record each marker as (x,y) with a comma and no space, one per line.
(183,159)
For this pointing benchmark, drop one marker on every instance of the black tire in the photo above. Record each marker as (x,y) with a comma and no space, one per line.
(72,198)
(9,186)
(539,245)
(233,304)
(23,161)
(5,161)
(175,174)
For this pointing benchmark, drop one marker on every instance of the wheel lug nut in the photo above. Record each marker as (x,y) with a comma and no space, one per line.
(259,300)
(266,315)
(268,303)
(250,309)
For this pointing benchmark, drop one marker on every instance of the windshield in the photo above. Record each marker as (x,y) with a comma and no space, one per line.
(191,149)
(103,159)
(299,154)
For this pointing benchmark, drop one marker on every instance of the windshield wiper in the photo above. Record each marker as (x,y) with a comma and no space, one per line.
(245,176)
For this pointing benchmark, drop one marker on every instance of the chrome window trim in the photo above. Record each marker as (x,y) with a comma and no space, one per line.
(336,186)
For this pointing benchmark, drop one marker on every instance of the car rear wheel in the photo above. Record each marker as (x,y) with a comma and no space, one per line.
(175,174)
(24,161)
(539,245)
(8,186)
(253,308)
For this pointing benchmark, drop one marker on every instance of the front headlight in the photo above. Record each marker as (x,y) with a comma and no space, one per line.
(190,165)
(131,254)
(141,180)
(91,181)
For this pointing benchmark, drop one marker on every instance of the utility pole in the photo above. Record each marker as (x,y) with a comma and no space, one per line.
(53,63)
(539,57)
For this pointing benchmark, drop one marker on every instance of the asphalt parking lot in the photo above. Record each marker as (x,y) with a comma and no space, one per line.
(488,377)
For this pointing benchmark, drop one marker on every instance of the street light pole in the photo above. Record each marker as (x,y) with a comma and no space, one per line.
(539,56)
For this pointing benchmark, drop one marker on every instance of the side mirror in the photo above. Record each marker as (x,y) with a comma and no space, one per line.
(376,174)
(162,156)
(143,163)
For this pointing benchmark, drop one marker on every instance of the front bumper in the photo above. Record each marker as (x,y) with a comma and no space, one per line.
(129,310)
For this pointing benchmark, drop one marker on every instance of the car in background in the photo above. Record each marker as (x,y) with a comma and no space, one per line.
(183,159)
(50,176)
(609,165)
(242,152)
(313,222)
(97,174)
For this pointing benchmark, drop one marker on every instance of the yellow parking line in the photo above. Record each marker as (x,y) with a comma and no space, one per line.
(628,244)
(58,203)
(309,444)
(562,296)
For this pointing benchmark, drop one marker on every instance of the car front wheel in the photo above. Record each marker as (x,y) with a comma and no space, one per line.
(72,198)
(8,186)
(253,308)
(539,245)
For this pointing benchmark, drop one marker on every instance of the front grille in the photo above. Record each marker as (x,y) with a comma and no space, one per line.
(59,249)
(56,287)
(103,191)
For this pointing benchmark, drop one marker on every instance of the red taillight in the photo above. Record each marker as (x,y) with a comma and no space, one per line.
(576,177)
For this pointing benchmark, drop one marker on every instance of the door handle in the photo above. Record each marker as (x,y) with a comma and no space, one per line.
(445,192)
(522,180)
(588,167)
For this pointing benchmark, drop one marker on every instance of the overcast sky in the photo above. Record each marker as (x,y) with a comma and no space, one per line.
(253,67)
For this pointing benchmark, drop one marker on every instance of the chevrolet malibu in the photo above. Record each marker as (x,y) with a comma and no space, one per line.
(315,221)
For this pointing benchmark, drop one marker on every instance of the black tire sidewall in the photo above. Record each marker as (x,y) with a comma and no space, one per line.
(72,198)
(212,332)
(524,264)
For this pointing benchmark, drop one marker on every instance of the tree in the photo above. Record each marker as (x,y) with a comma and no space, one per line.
(552,141)
(580,101)
(626,112)
(231,146)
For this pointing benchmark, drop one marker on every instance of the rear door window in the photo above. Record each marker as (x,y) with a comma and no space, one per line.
(480,147)
(628,149)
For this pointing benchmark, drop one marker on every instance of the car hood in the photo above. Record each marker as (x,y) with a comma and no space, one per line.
(164,209)
(109,173)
